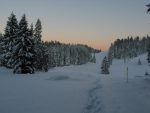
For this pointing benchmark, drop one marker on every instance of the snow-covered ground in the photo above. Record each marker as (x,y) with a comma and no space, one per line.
(117,96)
(78,89)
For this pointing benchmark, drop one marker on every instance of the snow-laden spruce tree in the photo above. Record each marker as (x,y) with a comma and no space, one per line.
(1,49)
(62,55)
(67,55)
(105,66)
(9,40)
(37,35)
(73,55)
(24,52)
(110,55)
(41,55)
(38,31)
(148,54)
(51,51)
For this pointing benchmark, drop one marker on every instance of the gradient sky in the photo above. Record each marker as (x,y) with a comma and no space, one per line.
(93,22)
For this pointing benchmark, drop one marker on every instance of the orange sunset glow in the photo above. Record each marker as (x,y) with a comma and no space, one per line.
(96,23)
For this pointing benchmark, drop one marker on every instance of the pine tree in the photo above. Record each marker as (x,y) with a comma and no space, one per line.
(1,49)
(42,52)
(43,58)
(148,55)
(24,49)
(56,56)
(9,40)
(39,46)
(105,66)
(139,62)
(110,58)
(38,31)
(67,55)
(51,52)
(62,56)
(110,55)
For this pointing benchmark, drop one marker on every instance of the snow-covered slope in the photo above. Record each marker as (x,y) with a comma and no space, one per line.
(78,89)
(117,96)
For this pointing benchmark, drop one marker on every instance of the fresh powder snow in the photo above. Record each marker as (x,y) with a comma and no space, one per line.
(78,89)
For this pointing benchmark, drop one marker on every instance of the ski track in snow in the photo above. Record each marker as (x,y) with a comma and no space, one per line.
(68,89)
(94,104)
(94,101)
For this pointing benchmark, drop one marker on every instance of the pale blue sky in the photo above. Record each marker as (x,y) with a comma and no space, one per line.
(93,22)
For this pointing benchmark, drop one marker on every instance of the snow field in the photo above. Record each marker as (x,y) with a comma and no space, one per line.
(78,89)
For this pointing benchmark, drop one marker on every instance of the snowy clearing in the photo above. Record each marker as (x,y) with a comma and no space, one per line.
(78,89)
(120,97)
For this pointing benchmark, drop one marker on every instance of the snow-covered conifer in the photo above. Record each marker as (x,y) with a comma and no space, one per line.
(39,45)
(9,40)
(43,57)
(24,49)
(148,54)
(38,30)
(105,66)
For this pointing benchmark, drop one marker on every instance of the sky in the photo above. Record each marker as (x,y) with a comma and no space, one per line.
(96,23)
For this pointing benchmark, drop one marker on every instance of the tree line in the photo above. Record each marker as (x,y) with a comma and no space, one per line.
(125,49)
(22,49)
(129,47)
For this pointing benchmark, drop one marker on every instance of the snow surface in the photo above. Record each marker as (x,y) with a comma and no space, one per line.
(78,89)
